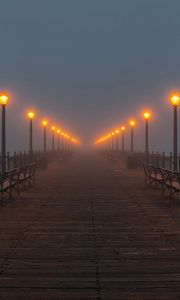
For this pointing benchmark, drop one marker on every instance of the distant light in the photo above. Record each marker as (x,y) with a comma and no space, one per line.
(147,115)
(44,123)
(4,99)
(53,128)
(123,128)
(175,100)
(31,115)
(132,123)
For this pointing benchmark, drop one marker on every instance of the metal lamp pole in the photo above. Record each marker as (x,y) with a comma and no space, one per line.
(175,100)
(123,129)
(31,137)
(45,143)
(117,141)
(132,124)
(53,130)
(132,139)
(147,116)
(3,102)
(31,117)
(58,133)
(44,124)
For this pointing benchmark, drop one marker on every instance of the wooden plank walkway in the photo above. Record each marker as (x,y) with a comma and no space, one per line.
(90,230)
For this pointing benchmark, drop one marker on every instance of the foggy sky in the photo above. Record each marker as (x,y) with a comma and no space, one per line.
(90,65)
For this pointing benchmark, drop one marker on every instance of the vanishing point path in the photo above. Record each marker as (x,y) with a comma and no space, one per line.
(89,230)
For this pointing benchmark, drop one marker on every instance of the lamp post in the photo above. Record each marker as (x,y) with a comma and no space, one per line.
(58,133)
(123,130)
(175,101)
(112,138)
(147,116)
(65,142)
(53,128)
(4,101)
(62,142)
(44,124)
(132,124)
(117,140)
(30,115)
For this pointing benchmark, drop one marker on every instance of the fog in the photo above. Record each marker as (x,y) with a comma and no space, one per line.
(89,66)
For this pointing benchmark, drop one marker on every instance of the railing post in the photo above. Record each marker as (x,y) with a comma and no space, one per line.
(20,153)
(170,165)
(7,161)
(15,160)
(163,160)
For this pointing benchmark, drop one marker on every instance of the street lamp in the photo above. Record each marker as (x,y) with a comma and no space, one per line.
(53,128)
(112,138)
(123,129)
(62,146)
(44,124)
(30,115)
(3,101)
(175,101)
(117,140)
(147,116)
(58,133)
(132,125)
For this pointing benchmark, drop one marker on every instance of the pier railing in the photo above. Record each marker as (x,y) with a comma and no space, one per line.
(20,159)
(157,159)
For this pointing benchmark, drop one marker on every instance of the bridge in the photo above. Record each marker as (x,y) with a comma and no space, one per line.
(89,229)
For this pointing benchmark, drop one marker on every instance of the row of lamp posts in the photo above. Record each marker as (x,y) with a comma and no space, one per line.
(175,101)
(4,101)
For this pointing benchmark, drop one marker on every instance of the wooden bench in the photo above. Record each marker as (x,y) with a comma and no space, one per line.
(11,181)
(165,178)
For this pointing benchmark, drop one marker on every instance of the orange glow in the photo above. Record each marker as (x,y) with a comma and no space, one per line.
(132,123)
(4,99)
(44,123)
(53,128)
(146,115)
(123,128)
(31,115)
(117,131)
(175,100)
(58,131)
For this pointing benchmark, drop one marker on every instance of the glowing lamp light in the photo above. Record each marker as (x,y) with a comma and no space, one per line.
(53,128)
(31,115)
(4,99)
(44,123)
(117,131)
(175,100)
(146,115)
(132,123)
(123,128)
(58,131)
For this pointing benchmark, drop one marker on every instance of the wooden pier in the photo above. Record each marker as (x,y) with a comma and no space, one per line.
(88,230)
